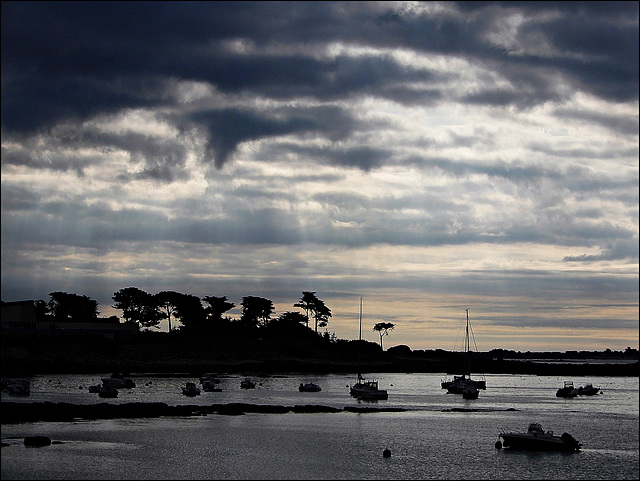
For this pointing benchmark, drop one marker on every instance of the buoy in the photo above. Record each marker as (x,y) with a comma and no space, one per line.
(386,453)
(498,445)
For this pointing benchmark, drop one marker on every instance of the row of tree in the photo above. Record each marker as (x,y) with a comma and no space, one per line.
(147,310)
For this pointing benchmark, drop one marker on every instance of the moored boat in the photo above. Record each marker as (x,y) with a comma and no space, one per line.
(567,390)
(247,383)
(368,390)
(363,389)
(537,439)
(209,377)
(118,381)
(588,390)
(190,389)
(107,392)
(309,387)
(463,382)
(18,387)
(470,392)
(208,385)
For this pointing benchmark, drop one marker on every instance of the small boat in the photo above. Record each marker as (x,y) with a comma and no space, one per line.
(209,377)
(190,389)
(363,389)
(588,390)
(208,385)
(459,383)
(368,390)
(247,383)
(537,439)
(108,392)
(568,390)
(117,380)
(309,387)
(18,387)
(470,392)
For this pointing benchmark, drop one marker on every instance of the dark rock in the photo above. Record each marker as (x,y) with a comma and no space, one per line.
(37,441)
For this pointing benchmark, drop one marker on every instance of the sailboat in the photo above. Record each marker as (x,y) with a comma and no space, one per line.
(463,384)
(365,389)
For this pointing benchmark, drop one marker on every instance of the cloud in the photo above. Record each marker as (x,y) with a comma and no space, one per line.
(229,127)
(627,250)
(433,154)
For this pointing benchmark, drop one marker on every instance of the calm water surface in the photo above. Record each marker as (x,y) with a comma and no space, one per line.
(430,441)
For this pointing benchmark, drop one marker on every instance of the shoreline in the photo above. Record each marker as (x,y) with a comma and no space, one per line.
(17,413)
(26,368)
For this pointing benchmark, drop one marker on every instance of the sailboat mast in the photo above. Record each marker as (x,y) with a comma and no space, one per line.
(467,332)
(360,335)
(466,337)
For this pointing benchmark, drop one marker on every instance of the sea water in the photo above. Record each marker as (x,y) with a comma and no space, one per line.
(439,436)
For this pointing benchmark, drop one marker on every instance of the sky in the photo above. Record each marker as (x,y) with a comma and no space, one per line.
(429,157)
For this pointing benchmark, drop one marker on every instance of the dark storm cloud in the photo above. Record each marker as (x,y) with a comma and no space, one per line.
(65,61)
(363,158)
(229,127)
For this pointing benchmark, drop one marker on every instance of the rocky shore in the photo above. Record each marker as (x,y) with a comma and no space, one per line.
(13,413)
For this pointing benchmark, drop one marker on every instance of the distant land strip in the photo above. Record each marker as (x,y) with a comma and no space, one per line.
(14,413)
(190,368)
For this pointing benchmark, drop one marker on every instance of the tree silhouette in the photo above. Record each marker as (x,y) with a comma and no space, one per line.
(307,302)
(289,325)
(138,306)
(189,312)
(322,314)
(311,304)
(168,301)
(383,329)
(41,309)
(256,311)
(217,307)
(64,307)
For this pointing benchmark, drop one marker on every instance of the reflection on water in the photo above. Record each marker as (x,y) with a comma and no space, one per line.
(427,442)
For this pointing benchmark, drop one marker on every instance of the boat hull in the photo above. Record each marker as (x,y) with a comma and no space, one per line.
(118,383)
(210,386)
(566,392)
(309,388)
(108,392)
(369,394)
(457,386)
(539,443)
(588,391)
